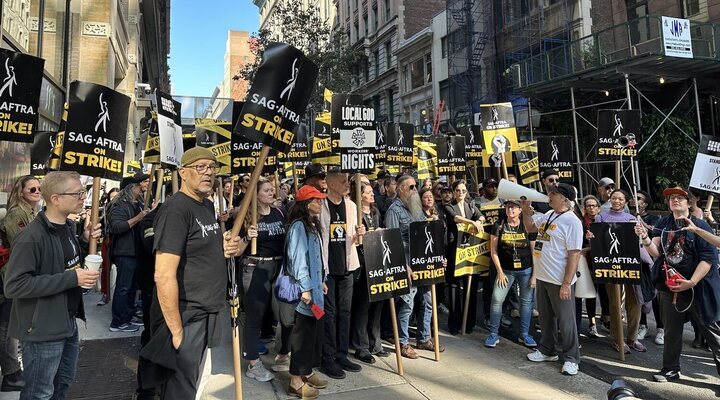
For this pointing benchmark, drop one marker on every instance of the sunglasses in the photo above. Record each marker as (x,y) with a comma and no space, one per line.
(412,187)
(34,190)
(553,180)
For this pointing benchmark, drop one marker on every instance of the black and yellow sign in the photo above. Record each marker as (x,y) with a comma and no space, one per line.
(498,126)
(616,128)
(473,252)
(528,162)
(21,76)
(473,141)
(94,141)
(556,152)
(425,157)
(615,253)
(40,151)
(299,151)
(152,143)
(322,143)
(215,135)
(399,148)
(277,97)
(132,168)
(427,252)
(492,214)
(495,160)
(385,264)
(451,155)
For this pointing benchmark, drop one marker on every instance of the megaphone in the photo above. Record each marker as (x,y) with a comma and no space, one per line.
(510,190)
(584,286)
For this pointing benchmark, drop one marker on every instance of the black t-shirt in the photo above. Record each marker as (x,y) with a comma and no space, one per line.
(71,255)
(337,260)
(187,228)
(271,234)
(679,251)
(513,245)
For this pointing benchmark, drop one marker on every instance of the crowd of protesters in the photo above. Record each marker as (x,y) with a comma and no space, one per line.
(172,281)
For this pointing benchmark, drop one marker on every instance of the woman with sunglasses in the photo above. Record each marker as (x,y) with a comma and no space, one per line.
(590,209)
(460,211)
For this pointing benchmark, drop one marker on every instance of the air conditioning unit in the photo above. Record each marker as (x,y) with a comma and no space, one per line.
(143,95)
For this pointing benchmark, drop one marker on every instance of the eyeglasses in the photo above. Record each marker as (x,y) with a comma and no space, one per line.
(34,190)
(677,197)
(201,169)
(246,180)
(610,187)
(81,194)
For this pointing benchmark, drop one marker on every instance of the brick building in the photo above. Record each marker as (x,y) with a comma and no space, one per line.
(237,55)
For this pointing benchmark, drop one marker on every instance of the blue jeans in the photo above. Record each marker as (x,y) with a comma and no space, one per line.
(405,308)
(49,367)
(526,299)
(123,303)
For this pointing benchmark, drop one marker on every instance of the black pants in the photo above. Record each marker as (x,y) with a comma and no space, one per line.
(590,305)
(338,307)
(604,300)
(257,279)
(457,301)
(184,383)
(656,313)
(305,340)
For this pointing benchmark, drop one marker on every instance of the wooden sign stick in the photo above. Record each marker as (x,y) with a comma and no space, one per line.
(94,214)
(396,338)
(221,204)
(158,184)
(467,305)
(358,201)
(253,219)
(149,189)
(436,335)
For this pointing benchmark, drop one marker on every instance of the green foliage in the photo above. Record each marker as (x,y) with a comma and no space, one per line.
(304,28)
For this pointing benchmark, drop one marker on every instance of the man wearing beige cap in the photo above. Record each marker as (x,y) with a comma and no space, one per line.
(191,281)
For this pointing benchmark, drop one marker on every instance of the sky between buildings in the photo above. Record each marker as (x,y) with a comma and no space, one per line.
(198,33)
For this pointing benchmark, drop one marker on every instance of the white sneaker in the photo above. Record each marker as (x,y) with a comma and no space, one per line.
(258,372)
(281,364)
(569,368)
(660,336)
(537,356)
(642,332)
(535,313)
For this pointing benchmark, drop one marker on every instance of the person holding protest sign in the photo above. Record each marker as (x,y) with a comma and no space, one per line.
(510,251)
(557,251)
(304,263)
(460,211)
(407,208)
(340,231)
(44,277)
(125,215)
(190,277)
(686,276)
(591,208)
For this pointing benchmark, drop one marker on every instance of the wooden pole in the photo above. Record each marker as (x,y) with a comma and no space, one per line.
(149,189)
(221,204)
(236,356)
(709,203)
(617,315)
(158,184)
(253,219)
(252,188)
(618,171)
(436,335)
(467,305)
(396,338)
(175,181)
(504,166)
(358,201)
(232,193)
(94,214)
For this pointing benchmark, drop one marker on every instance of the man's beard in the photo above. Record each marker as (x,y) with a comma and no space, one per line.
(414,204)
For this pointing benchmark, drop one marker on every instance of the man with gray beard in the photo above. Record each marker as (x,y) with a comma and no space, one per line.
(407,208)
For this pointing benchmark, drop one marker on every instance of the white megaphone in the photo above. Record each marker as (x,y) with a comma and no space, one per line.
(510,190)
(584,287)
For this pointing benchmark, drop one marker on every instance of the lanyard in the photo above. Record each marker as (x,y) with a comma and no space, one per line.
(550,220)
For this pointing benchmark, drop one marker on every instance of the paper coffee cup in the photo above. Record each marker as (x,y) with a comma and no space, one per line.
(93,263)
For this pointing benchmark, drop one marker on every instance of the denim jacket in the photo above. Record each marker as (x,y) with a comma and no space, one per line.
(305,264)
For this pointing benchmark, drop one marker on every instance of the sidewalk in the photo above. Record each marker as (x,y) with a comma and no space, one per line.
(466,370)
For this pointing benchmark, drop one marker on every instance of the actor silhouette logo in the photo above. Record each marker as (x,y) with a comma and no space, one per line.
(451,150)
(386,251)
(290,82)
(401,135)
(10,79)
(495,114)
(380,136)
(429,242)
(103,116)
(206,230)
(614,242)
(358,137)
(716,181)
(555,151)
(618,126)
(472,137)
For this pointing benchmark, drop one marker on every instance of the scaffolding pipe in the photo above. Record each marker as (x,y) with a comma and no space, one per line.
(577,142)
(697,110)
(532,137)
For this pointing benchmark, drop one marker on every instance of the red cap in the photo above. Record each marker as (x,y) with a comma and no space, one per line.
(676,190)
(308,192)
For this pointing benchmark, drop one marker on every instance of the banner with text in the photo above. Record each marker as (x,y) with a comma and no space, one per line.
(556,152)
(615,127)
(170,130)
(355,128)
(399,148)
(427,251)
(322,145)
(215,135)
(498,126)
(451,155)
(385,264)
(473,141)
(473,252)
(527,160)
(19,95)
(425,156)
(706,172)
(615,253)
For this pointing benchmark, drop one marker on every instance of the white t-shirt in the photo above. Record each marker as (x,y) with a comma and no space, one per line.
(564,233)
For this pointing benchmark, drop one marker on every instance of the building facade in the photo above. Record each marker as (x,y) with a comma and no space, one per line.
(325,9)
(237,55)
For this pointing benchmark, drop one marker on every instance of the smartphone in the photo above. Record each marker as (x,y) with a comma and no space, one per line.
(681,223)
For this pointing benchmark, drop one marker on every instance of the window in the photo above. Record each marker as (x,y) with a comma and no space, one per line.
(367,70)
(443,47)
(376,61)
(365,23)
(428,67)
(387,10)
(388,55)
(691,7)
(405,78)
(390,105)
(417,73)
(375,17)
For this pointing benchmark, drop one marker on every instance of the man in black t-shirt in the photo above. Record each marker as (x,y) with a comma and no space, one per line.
(190,276)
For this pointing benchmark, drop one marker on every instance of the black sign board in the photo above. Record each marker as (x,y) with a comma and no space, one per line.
(385,264)
(451,155)
(355,128)
(215,135)
(616,130)
(21,76)
(556,152)
(473,141)
(40,151)
(94,141)
(615,253)
(381,129)
(427,251)
(399,148)
(277,97)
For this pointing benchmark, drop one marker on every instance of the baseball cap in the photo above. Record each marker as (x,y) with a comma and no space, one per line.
(512,201)
(196,153)
(139,177)
(676,190)
(549,172)
(308,192)
(445,189)
(564,189)
(489,182)
(314,169)
(605,182)
(383,174)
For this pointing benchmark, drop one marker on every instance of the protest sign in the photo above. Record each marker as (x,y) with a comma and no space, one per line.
(94,141)
(614,127)
(495,160)
(53,163)
(215,135)
(451,155)
(473,252)
(40,151)
(706,172)
(498,126)
(427,251)
(299,150)
(381,142)
(355,128)
(528,163)
(492,213)
(425,157)
(19,95)
(556,152)
(473,141)
(322,144)
(169,129)
(399,148)
(152,143)
(615,253)
(132,168)
(387,273)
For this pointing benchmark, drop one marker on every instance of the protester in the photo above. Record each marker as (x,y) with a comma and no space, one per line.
(126,213)
(446,194)
(557,250)
(105,271)
(550,178)
(407,208)
(305,265)
(386,199)
(460,211)
(644,201)
(490,191)
(511,253)
(604,188)
(591,208)
(434,212)
(339,231)
(365,326)
(315,176)
(512,178)
(190,275)
(686,250)
(43,277)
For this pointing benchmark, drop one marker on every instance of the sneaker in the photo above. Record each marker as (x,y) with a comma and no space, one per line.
(642,332)
(505,322)
(304,392)
(537,356)
(605,326)
(407,351)
(528,341)
(515,314)
(348,365)
(569,368)
(660,336)
(535,313)
(666,375)
(443,310)
(697,343)
(136,321)
(281,363)
(267,339)
(259,373)
(262,349)
(626,348)
(315,381)
(125,328)
(364,356)
(592,332)
(492,340)
(637,346)
(332,369)
(139,313)
(428,345)
(104,300)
